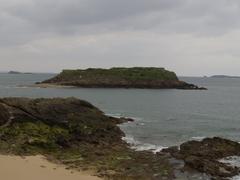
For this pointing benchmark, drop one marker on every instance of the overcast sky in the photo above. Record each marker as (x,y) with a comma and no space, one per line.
(190,37)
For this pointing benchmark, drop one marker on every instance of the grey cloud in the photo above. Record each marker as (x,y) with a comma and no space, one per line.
(43,17)
(170,33)
(85,11)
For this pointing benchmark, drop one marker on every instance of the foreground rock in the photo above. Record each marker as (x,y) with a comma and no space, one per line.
(154,78)
(204,156)
(75,133)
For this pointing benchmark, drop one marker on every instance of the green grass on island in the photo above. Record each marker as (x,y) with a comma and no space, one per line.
(136,73)
(136,77)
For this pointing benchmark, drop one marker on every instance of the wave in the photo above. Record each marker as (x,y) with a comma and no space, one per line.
(198,138)
(233,161)
(119,115)
(115,115)
(236,177)
(139,146)
(134,144)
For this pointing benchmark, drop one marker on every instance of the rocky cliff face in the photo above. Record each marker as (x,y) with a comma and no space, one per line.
(155,78)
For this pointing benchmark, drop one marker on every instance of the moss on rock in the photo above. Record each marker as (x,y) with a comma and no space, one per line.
(77,134)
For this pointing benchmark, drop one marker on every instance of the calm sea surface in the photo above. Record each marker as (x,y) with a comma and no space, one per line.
(163,117)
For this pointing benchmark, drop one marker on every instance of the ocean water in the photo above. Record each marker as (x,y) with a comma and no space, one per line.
(163,118)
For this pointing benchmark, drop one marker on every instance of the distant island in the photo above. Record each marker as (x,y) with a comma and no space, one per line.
(136,77)
(17,72)
(224,76)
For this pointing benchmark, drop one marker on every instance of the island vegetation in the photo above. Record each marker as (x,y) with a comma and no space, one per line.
(137,77)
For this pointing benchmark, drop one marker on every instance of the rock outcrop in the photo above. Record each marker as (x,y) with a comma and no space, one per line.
(138,77)
(205,156)
(77,134)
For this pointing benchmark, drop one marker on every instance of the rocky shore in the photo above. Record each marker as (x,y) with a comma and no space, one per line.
(206,156)
(138,77)
(77,134)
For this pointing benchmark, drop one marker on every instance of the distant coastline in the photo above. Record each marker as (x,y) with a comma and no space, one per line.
(17,72)
(224,76)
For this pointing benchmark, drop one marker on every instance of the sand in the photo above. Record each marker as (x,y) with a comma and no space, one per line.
(37,168)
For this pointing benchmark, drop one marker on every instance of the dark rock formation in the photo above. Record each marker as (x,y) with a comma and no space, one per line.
(204,156)
(77,134)
(154,78)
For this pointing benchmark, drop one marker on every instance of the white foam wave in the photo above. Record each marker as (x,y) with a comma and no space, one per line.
(198,138)
(138,146)
(116,115)
(119,115)
(232,161)
(236,177)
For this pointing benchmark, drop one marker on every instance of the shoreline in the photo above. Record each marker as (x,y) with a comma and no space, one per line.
(118,77)
(82,137)
(48,85)
(55,85)
(38,168)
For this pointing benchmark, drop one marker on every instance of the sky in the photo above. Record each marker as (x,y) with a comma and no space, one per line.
(190,37)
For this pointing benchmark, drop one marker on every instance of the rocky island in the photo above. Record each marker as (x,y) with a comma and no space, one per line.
(17,72)
(137,77)
(77,134)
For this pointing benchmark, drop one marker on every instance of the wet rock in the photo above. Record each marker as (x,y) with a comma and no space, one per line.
(121,120)
(214,148)
(204,156)
(4,115)
(172,150)
(211,167)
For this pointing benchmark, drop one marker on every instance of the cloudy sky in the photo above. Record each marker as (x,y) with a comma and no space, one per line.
(190,37)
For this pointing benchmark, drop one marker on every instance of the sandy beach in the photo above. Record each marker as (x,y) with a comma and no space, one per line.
(37,168)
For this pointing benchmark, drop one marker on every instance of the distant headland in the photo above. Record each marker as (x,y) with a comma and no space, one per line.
(224,76)
(17,72)
(136,77)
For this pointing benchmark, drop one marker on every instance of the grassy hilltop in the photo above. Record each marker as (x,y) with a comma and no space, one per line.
(131,74)
(136,77)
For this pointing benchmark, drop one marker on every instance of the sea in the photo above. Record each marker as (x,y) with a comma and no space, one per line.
(163,117)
